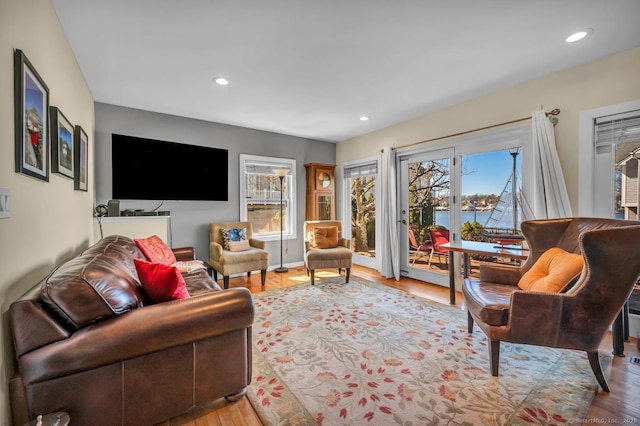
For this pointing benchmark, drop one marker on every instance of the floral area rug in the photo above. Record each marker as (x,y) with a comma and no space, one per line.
(363,353)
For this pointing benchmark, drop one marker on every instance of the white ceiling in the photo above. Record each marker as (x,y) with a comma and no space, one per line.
(311,68)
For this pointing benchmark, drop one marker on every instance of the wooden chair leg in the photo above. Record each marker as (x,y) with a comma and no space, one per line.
(249,274)
(494,356)
(469,323)
(348,273)
(594,362)
(313,274)
(225,279)
(215,275)
(263,276)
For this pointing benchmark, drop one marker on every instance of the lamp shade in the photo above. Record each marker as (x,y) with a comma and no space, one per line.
(281,172)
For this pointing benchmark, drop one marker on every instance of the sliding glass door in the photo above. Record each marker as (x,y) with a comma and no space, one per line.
(467,188)
(426,214)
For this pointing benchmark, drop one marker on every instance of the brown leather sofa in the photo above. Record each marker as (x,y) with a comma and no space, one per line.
(88,342)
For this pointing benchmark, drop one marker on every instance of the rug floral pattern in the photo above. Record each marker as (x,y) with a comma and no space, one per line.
(364,353)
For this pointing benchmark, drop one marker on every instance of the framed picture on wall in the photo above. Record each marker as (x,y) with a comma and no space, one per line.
(81,159)
(61,143)
(31,100)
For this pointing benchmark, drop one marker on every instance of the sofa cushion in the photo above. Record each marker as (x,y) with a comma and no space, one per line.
(552,272)
(160,282)
(325,237)
(235,239)
(90,288)
(155,250)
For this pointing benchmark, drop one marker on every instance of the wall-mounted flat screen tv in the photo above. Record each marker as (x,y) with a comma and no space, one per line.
(148,169)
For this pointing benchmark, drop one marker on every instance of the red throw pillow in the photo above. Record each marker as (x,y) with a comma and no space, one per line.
(155,250)
(161,283)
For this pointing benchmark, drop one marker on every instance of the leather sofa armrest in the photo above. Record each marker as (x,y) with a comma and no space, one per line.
(500,274)
(184,253)
(257,243)
(32,327)
(142,331)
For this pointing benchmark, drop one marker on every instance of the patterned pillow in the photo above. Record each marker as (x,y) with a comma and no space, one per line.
(155,250)
(235,239)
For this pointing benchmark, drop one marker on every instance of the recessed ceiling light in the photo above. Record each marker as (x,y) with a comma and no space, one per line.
(221,81)
(579,35)
(364,118)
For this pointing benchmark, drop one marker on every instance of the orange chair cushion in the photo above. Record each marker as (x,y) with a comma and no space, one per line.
(325,237)
(551,273)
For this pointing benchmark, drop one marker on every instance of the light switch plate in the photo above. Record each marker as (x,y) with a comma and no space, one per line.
(5,203)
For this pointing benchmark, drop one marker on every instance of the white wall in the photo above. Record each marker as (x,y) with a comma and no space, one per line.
(49,220)
(611,80)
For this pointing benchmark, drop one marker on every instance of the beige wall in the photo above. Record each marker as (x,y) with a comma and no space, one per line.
(612,80)
(49,220)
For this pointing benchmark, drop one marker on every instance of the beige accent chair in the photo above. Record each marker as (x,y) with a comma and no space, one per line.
(234,262)
(317,258)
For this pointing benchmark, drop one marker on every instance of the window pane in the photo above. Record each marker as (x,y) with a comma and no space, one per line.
(490,194)
(261,195)
(363,215)
(266,217)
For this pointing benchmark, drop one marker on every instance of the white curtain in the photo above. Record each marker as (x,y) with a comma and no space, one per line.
(389,259)
(550,199)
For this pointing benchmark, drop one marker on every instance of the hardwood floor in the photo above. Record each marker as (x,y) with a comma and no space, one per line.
(621,405)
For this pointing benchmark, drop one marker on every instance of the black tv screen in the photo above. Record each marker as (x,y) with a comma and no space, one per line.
(147,169)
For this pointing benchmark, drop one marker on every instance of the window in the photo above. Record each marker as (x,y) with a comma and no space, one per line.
(617,146)
(260,193)
(360,177)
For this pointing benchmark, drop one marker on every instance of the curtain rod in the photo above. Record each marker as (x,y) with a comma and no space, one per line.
(554,112)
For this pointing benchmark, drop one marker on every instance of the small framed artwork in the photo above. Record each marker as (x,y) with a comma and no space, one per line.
(61,143)
(81,159)
(31,100)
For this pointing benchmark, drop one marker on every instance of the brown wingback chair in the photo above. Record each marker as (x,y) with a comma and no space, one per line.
(234,262)
(577,318)
(324,258)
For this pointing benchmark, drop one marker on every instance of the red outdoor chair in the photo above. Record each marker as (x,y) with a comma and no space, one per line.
(439,237)
(418,250)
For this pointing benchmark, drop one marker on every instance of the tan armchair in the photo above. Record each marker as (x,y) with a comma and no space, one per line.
(324,258)
(577,318)
(235,262)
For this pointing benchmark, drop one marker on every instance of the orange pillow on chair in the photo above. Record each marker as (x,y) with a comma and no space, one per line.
(325,237)
(552,272)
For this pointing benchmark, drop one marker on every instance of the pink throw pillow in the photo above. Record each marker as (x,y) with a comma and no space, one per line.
(161,283)
(155,250)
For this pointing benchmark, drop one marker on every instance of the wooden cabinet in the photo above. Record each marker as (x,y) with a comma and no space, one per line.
(321,196)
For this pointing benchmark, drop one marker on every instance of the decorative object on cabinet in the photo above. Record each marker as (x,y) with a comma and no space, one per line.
(61,143)
(320,191)
(31,119)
